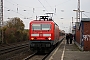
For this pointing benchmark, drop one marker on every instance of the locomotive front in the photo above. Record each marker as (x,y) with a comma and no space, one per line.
(41,35)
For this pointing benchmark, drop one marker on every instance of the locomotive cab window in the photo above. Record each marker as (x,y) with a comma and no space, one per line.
(36,27)
(41,26)
(46,26)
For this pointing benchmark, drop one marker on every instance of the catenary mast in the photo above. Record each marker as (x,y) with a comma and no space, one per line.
(78,10)
(1,20)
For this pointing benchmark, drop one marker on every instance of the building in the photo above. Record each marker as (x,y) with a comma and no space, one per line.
(82,34)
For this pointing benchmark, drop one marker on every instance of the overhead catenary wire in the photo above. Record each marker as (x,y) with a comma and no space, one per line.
(63,2)
(85,15)
(49,5)
(24,17)
(15,11)
(52,9)
(15,4)
(43,5)
(18,9)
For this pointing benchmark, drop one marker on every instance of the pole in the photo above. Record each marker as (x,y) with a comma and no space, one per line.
(78,10)
(72,24)
(1,20)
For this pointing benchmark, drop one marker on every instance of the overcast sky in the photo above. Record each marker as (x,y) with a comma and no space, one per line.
(64,9)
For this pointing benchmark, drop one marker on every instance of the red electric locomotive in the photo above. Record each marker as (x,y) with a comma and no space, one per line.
(43,33)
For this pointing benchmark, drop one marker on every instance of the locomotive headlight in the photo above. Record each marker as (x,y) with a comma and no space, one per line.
(49,38)
(32,38)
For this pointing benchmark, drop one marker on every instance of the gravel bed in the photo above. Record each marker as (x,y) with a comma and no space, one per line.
(16,55)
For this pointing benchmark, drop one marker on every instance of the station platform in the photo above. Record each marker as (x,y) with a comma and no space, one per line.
(69,52)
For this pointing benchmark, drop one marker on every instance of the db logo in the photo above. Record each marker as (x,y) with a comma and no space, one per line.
(40,34)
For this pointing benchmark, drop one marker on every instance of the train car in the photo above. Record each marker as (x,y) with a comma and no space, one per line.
(43,33)
(62,34)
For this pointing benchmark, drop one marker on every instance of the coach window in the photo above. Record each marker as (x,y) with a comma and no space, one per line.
(46,26)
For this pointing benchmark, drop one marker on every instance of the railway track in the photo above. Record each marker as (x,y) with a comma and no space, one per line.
(36,56)
(10,49)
